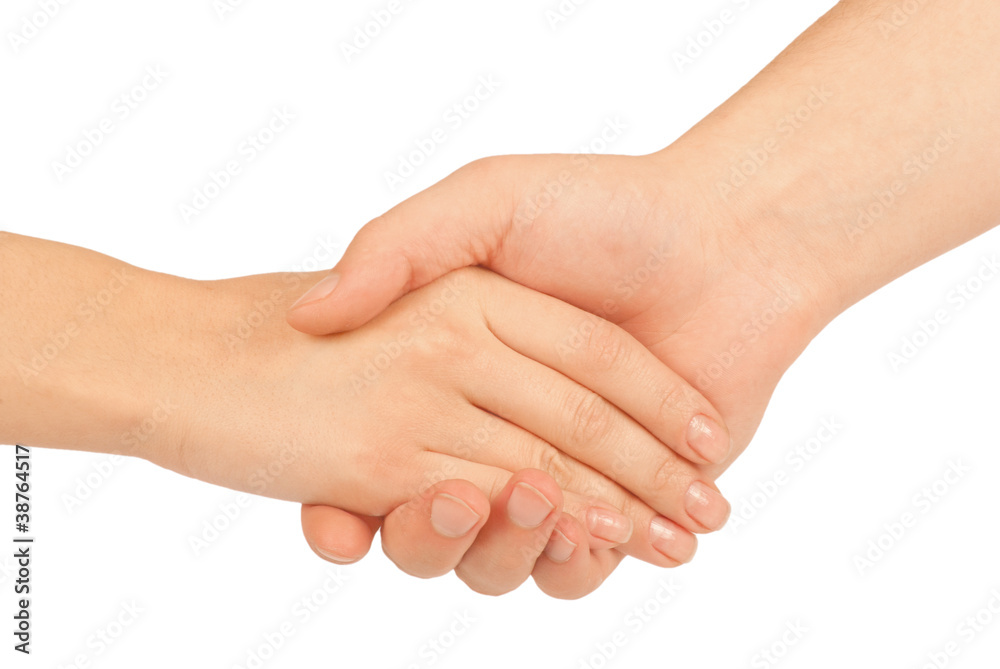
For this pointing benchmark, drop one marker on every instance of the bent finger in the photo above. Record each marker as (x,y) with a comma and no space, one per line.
(336,535)
(429,535)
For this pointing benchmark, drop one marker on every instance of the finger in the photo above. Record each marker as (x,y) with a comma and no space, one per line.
(338,536)
(601,356)
(567,570)
(587,433)
(456,223)
(522,519)
(418,544)
(613,517)
(428,536)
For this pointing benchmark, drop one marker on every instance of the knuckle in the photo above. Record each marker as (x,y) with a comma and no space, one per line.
(606,346)
(669,478)
(597,488)
(495,179)
(450,340)
(477,167)
(383,223)
(483,168)
(674,404)
(554,463)
(590,419)
(592,488)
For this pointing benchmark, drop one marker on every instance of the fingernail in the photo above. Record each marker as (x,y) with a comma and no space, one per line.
(665,537)
(706,506)
(318,292)
(451,517)
(609,525)
(560,548)
(333,557)
(707,438)
(527,507)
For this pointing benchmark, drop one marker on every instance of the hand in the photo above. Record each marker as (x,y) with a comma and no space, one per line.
(447,383)
(418,538)
(201,378)
(624,240)
(760,253)
(629,239)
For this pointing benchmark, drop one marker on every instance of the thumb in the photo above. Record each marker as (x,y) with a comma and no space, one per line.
(455,223)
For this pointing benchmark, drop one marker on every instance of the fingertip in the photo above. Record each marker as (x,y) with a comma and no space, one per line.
(309,320)
(563,542)
(456,508)
(540,481)
(532,499)
(337,536)
(320,291)
(706,507)
(320,317)
(608,526)
(355,291)
(429,535)
(584,570)
(672,541)
(709,439)
(525,512)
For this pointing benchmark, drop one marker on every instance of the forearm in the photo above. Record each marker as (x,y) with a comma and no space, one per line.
(101,356)
(865,149)
(71,356)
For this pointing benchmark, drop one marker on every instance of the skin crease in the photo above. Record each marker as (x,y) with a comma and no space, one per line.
(197,362)
(901,108)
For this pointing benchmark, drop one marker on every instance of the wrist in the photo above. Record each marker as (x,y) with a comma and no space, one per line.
(167,340)
(846,173)
(767,262)
(234,356)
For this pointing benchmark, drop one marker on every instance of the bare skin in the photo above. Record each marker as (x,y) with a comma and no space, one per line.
(206,379)
(867,148)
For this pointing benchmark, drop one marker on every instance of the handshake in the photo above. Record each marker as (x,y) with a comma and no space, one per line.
(571,406)
(541,364)
(505,397)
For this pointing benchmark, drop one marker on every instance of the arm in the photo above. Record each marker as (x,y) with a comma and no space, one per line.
(880,129)
(203,378)
(80,334)
(862,151)
(868,143)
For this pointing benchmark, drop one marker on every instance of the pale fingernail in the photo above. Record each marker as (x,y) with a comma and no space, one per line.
(318,292)
(333,557)
(560,548)
(706,506)
(707,438)
(451,517)
(527,507)
(666,538)
(609,525)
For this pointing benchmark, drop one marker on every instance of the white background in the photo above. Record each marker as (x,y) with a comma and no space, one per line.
(320,180)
